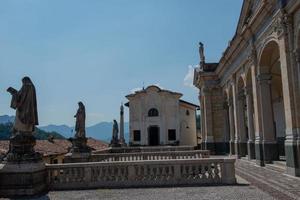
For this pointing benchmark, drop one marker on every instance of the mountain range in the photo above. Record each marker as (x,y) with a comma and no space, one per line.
(101,131)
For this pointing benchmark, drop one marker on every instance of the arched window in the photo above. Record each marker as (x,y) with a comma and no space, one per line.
(187,112)
(153,112)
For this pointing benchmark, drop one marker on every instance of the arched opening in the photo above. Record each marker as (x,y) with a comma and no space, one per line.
(272,105)
(153,112)
(242,119)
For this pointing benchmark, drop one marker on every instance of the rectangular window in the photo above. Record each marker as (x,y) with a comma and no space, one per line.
(172,134)
(136,135)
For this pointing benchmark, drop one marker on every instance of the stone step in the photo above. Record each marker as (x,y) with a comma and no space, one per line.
(280,163)
(276,167)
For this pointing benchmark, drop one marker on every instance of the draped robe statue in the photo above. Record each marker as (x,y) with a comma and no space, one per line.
(115,132)
(80,121)
(25,104)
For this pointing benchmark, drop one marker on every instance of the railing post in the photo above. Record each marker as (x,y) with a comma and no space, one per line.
(88,174)
(131,173)
(228,171)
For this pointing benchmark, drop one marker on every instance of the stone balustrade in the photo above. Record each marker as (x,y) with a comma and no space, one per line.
(145,149)
(120,174)
(163,155)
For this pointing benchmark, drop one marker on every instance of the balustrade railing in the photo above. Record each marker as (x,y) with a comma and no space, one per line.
(141,173)
(164,155)
(145,149)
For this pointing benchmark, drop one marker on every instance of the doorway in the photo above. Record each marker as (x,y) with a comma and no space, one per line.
(153,135)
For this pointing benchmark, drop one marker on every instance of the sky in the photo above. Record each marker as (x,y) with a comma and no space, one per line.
(98,51)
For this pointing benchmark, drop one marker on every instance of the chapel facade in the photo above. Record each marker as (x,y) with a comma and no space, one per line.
(160,117)
(250,99)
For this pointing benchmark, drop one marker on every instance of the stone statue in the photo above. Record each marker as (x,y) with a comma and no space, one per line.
(79,142)
(115,131)
(201,52)
(25,104)
(80,121)
(22,141)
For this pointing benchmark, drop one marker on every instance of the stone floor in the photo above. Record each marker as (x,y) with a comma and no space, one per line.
(253,183)
(277,184)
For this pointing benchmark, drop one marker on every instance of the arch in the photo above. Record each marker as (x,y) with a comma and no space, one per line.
(153,112)
(271,94)
(268,55)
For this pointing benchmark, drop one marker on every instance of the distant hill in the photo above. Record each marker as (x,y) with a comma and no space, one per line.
(65,130)
(5,133)
(6,119)
(101,131)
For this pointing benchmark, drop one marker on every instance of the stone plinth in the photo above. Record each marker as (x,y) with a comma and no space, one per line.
(23,171)
(80,151)
(22,179)
(22,148)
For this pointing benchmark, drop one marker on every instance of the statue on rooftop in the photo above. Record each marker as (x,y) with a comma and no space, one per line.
(201,54)
(80,121)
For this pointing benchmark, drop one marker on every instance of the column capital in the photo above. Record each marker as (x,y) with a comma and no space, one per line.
(282,23)
(264,78)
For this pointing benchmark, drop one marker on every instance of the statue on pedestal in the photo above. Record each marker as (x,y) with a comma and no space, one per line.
(23,169)
(22,140)
(80,121)
(79,142)
(201,54)
(115,131)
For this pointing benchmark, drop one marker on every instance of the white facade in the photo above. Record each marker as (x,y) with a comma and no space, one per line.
(159,117)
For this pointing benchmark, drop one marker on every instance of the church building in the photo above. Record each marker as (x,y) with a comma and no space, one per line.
(160,117)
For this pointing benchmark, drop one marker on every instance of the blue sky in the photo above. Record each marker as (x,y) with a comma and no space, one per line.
(97,51)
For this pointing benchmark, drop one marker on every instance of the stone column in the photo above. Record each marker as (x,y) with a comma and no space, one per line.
(290,86)
(231,126)
(250,122)
(209,140)
(292,139)
(241,124)
(202,118)
(269,144)
(122,139)
(236,120)
(226,133)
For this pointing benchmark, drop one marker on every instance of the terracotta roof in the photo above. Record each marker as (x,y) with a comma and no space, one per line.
(56,147)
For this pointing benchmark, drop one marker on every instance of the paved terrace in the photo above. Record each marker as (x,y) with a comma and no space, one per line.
(253,183)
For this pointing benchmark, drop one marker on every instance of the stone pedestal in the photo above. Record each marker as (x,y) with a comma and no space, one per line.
(292,152)
(23,171)
(251,150)
(80,151)
(21,148)
(122,142)
(22,179)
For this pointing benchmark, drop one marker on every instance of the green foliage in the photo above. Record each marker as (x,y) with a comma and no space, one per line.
(5,133)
